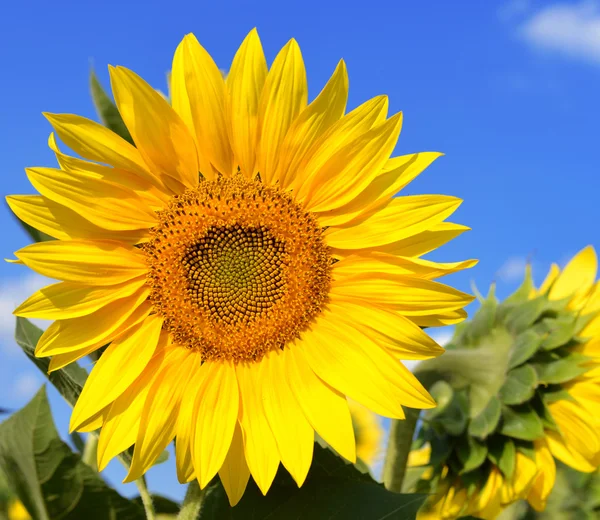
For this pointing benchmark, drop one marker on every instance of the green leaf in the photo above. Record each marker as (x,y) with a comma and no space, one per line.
(68,381)
(519,386)
(526,345)
(333,489)
(554,370)
(521,422)
(107,110)
(50,480)
(486,422)
(471,453)
(502,453)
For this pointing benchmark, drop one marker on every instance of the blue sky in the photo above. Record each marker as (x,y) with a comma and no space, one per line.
(507,90)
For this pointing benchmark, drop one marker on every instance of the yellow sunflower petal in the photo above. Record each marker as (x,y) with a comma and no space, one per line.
(294,436)
(408,295)
(577,277)
(415,245)
(283,97)
(400,219)
(199,96)
(215,416)
(325,408)
(395,332)
(66,300)
(327,108)
(99,262)
(159,415)
(97,328)
(544,482)
(63,223)
(440,319)
(159,133)
(338,135)
(579,444)
(183,442)
(259,442)
(118,367)
(234,473)
(395,175)
(350,170)
(97,143)
(103,203)
(245,82)
(122,423)
(151,192)
(356,366)
(58,361)
(385,263)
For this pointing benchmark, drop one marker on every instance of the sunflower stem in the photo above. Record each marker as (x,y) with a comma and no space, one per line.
(146,498)
(90,451)
(192,503)
(396,457)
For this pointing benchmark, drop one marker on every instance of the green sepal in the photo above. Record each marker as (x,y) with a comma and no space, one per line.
(521,422)
(486,422)
(553,393)
(524,290)
(107,111)
(502,452)
(552,368)
(540,407)
(561,330)
(471,453)
(520,317)
(484,319)
(526,345)
(455,416)
(519,386)
(443,394)
(441,448)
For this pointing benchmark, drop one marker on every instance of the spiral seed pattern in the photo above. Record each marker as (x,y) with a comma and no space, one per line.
(235,273)
(236,269)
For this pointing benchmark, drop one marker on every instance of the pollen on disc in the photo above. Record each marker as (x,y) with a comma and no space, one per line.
(237,269)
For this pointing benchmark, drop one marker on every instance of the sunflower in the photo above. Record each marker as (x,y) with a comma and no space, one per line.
(576,441)
(532,479)
(246,261)
(368,433)
(541,357)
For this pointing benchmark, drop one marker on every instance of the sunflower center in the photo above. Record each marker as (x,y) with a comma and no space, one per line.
(235,273)
(237,269)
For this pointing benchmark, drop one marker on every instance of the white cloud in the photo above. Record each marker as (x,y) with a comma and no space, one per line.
(25,385)
(572,30)
(513,269)
(14,291)
(512,9)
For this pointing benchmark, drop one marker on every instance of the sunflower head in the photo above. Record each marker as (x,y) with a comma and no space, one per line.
(246,262)
(531,395)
